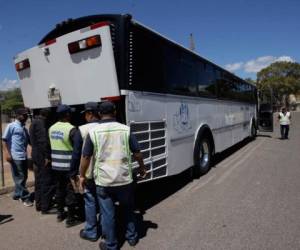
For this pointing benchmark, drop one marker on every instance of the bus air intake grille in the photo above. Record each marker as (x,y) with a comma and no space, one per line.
(152,138)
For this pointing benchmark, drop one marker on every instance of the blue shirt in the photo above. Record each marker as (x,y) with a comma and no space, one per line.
(17,138)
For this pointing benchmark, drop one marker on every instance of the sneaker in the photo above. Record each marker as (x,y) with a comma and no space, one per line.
(84,237)
(16,198)
(132,243)
(50,211)
(102,245)
(60,216)
(27,203)
(71,222)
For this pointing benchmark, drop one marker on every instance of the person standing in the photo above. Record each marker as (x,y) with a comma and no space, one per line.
(41,156)
(91,230)
(62,137)
(15,142)
(284,118)
(111,143)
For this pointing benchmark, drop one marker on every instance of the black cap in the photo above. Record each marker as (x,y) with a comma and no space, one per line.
(63,108)
(90,106)
(107,107)
(22,111)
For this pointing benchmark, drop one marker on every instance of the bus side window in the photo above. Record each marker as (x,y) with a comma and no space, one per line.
(148,72)
(206,79)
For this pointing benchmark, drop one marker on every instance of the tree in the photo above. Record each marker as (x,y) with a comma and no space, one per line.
(250,80)
(12,99)
(280,79)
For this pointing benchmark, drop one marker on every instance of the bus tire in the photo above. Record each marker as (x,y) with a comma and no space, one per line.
(253,131)
(202,155)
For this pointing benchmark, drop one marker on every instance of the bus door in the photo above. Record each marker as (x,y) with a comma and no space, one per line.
(265,117)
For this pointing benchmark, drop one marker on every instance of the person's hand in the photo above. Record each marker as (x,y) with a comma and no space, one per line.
(81,184)
(47,161)
(8,158)
(142,172)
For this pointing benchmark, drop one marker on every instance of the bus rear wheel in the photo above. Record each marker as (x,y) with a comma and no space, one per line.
(202,156)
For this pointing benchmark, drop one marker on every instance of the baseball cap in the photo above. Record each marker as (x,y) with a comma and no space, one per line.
(22,111)
(63,108)
(107,107)
(90,106)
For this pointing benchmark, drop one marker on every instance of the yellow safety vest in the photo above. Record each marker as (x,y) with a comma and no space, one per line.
(112,154)
(61,147)
(84,130)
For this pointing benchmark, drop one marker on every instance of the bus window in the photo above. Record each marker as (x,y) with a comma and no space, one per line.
(206,79)
(147,61)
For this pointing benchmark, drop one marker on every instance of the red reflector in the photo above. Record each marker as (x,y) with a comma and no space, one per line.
(22,65)
(98,25)
(111,98)
(84,44)
(73,47)
(50,42)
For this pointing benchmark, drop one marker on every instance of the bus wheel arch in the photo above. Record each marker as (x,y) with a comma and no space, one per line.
(204,149)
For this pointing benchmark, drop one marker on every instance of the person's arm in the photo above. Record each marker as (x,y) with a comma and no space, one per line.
(76,154)
(87,153)
(6,152)
(137,155)
(142,169)
(5,139)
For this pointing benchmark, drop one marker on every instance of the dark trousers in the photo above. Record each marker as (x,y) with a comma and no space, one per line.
(19,170)
(284,129)
(65,195)
(44,186)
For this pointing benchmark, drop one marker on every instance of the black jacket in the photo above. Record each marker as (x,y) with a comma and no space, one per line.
(39,138)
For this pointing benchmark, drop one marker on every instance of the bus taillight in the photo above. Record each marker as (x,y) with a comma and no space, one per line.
(22,65)
(84,44)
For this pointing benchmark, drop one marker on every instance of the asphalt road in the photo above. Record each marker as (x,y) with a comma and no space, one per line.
(249,200)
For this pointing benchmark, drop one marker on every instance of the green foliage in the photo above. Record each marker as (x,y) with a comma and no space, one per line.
(280,79)
(12,99)
(250,80)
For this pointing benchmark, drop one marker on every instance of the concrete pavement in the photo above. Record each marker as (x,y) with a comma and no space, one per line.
(249,200)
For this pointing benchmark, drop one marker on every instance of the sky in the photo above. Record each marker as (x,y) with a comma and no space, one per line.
(242,36)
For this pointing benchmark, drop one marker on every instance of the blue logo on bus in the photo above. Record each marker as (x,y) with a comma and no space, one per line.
(181,119)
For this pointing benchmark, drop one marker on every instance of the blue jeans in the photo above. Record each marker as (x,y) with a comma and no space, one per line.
(92,227)
(106,197)
(19,170)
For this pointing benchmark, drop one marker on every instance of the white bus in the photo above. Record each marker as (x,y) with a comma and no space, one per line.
(182,108)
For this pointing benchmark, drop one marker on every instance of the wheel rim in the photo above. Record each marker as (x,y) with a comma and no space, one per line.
(204,154)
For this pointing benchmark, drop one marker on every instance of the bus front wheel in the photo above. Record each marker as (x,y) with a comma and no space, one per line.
(202,155)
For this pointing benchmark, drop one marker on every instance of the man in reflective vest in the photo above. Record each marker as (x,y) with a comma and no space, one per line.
(111,143)
(62,135)
(91,230)
(284,118)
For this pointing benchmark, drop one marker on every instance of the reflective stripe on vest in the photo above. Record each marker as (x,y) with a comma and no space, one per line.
(284,119)
(61,147)
(112,155)
(84,130)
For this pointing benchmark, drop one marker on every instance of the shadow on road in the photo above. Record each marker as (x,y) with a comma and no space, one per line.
(151,193)
(226,153)
(4,218)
